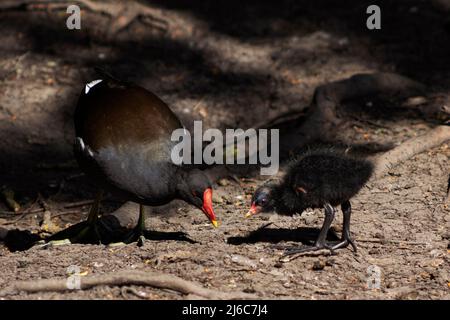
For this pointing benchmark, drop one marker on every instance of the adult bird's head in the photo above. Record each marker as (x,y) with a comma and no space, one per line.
(195,188)
(262,201)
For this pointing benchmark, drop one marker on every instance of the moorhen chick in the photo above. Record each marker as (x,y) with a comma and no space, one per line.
(321,178)
(123,143)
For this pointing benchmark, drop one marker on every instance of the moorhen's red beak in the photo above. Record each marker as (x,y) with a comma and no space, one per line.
(207,207)
(254,209)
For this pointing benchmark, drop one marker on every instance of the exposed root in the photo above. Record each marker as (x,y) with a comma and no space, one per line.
(322,118)
(408,149)
(122,13)
(125,278)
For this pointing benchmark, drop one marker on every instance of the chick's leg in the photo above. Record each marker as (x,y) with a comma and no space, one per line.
(346,238)
(321,239)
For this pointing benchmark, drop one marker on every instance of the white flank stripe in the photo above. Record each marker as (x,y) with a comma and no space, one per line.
(91,84)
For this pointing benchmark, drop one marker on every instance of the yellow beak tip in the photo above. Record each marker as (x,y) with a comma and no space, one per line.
(248,215)
(215,223)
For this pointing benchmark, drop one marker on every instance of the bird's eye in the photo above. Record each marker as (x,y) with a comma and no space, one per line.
(263,201)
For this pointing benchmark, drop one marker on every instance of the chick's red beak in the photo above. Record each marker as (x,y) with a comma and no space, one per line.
(254,209)
(207,207)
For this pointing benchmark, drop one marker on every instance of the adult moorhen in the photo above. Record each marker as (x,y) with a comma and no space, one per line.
(320,178)
(123,142)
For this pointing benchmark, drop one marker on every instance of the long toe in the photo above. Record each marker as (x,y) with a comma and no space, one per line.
(141,241)
(135,235)
(341,244)
(352,243)
(344,244)
(82,232)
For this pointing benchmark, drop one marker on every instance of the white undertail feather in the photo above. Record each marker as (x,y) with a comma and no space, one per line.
(91,84)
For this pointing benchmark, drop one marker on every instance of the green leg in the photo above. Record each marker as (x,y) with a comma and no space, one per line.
(94,211)
(82,232)
(91,221)
(141,225)
(137,234)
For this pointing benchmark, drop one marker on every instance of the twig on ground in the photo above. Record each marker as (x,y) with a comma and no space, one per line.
(79,204)
(128,277)
(386,241)
(63,213)
(369,122)
(30,210)
(125,290)
(26,212)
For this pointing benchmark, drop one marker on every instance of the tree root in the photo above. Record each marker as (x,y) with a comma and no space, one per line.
(127,277)
(122,13)
(408,149)
(322,119)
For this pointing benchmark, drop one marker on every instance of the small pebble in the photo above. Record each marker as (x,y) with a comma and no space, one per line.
(244,261)
(318,265)
(223,182)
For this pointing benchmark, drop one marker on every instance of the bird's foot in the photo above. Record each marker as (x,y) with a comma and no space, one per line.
(344,243)
(141,241)
(135,235)
(83,232)
(130,239)
(326,246)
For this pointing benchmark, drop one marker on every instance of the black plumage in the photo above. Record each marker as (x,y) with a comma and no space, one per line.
(321,178)
(123,143)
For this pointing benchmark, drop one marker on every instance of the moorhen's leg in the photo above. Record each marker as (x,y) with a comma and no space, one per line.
(137,234)
(321,239)
(81,232)
(346,238)
(91,220)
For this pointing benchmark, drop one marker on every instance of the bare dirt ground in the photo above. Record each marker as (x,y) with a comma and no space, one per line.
(230,65)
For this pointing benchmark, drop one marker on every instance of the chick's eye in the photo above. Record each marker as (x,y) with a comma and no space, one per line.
(263,201)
